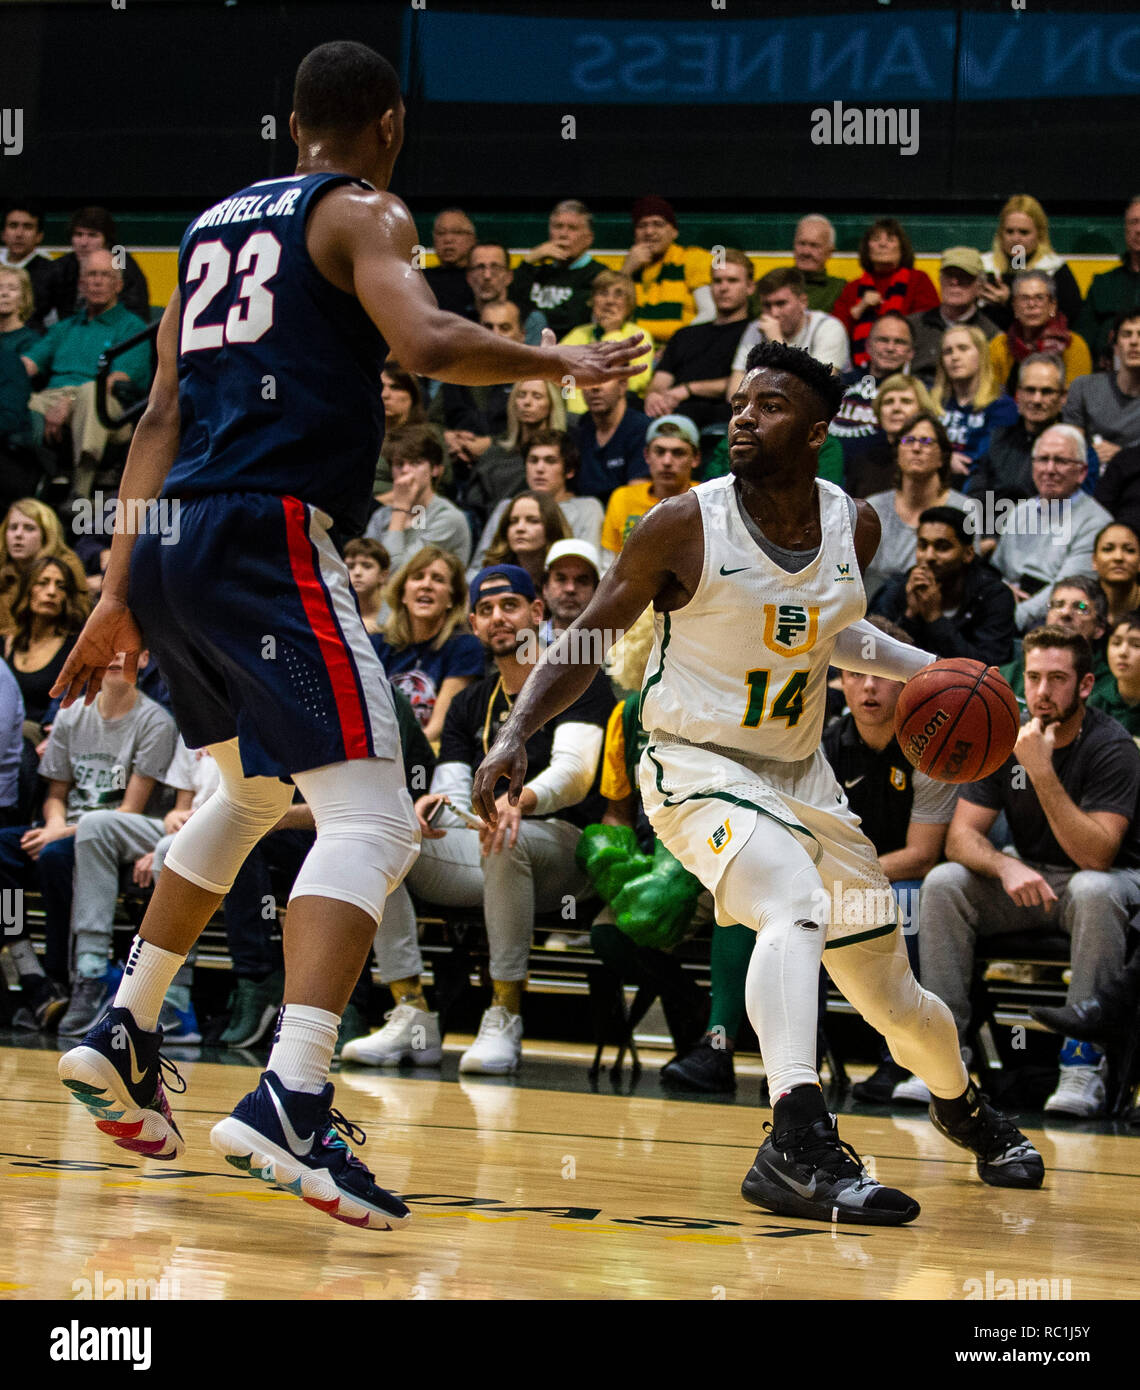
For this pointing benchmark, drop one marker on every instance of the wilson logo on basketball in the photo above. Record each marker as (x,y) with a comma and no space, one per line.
(916,744)
(785,624)
(954,761)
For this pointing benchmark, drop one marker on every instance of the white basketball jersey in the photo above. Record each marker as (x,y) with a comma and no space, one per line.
(744,663)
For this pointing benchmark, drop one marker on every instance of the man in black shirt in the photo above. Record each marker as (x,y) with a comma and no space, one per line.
(556,275)
(951,602)
(527,861)
(692,376)
(1069,790)
(453,238)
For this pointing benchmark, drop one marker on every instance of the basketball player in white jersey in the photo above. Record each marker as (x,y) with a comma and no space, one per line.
(756,586)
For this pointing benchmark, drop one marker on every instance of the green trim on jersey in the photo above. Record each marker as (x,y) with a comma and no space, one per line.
(725,796)
(653,679)
(862,936)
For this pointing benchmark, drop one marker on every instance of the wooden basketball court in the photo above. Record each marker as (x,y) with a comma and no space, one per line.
(524,1190)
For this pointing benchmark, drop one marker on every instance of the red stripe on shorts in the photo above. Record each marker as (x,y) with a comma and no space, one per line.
(318,610)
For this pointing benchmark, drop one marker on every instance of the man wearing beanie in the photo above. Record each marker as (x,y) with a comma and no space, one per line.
(672,281)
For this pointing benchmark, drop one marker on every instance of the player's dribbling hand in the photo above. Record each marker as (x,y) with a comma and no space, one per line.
(109,630)
(1025,885)
(507,758)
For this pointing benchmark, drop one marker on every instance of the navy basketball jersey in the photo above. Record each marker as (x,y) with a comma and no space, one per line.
(278,370)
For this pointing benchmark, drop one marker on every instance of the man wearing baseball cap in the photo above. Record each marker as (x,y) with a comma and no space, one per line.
(527,862)
(672,451)
(568,583)
(960,275)
(672,282)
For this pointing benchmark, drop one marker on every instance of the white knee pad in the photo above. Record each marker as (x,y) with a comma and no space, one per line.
(213,844)
(367,833)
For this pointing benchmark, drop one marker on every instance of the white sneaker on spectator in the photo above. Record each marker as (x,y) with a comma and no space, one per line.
(912,1090)
(409,1035)
(1080,1092)
(498,1046)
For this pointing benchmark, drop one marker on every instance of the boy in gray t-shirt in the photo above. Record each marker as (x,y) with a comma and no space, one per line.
(109,755)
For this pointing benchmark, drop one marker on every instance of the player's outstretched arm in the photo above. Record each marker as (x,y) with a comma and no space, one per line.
(365,243)
(645,570)
(111,629)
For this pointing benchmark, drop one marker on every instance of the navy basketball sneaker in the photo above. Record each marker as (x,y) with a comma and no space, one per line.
(116,1072)
(291,1139)
(810,1172)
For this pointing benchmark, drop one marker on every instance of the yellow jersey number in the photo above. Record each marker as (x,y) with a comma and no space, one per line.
(788,704)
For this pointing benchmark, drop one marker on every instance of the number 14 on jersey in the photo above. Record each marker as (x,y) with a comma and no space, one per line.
(787,705)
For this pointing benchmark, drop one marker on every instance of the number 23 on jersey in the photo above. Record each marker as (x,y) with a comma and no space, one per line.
(248,319)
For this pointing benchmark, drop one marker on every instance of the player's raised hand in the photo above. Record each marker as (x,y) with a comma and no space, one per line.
(109,631)
(507,758)
(594,363)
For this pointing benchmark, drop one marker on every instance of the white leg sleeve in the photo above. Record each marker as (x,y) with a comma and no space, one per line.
(367,833)
(213,844)
(773,887)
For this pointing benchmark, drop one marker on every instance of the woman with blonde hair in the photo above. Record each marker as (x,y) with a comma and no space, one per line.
(532,406)
(613,307)
(30,529)
(969,395)
(17,302)
(425,647)
(1021,242)
(869,460)
(530,526)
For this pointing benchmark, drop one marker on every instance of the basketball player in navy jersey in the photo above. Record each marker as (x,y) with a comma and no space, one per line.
(755,581)
(263,426)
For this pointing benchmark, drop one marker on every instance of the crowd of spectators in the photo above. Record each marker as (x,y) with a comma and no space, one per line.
(992,421)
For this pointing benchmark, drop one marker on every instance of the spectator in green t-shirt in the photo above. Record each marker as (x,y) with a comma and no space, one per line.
(67,359)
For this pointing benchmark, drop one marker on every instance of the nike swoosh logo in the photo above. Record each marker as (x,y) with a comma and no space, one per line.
(298,1146)
(804,1189)
(854,782)
(738,570)
(136,1075)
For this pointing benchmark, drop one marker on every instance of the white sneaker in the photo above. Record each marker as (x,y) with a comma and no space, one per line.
(498,1048)
(913,1090)
(409,1035)
(1079,1092)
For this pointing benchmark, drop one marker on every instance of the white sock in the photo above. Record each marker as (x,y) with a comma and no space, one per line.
(149,972)
(303,1047)
(24,957)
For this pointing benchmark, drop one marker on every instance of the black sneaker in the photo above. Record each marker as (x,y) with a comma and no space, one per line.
(810,1172)
(880,1085)
(1005,1157)
(45,1006)
(705,1067)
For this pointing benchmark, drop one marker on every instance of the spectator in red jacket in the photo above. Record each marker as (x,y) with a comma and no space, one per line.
(889,282)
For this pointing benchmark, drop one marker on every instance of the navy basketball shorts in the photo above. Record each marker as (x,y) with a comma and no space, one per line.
(253,621)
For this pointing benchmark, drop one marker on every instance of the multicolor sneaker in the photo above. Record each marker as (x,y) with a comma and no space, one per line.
(116,1072)
(290,1139)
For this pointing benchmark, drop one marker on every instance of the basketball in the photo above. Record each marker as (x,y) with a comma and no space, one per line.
(957,720)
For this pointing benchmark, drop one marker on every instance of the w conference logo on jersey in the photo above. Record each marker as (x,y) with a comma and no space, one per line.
(789,628)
